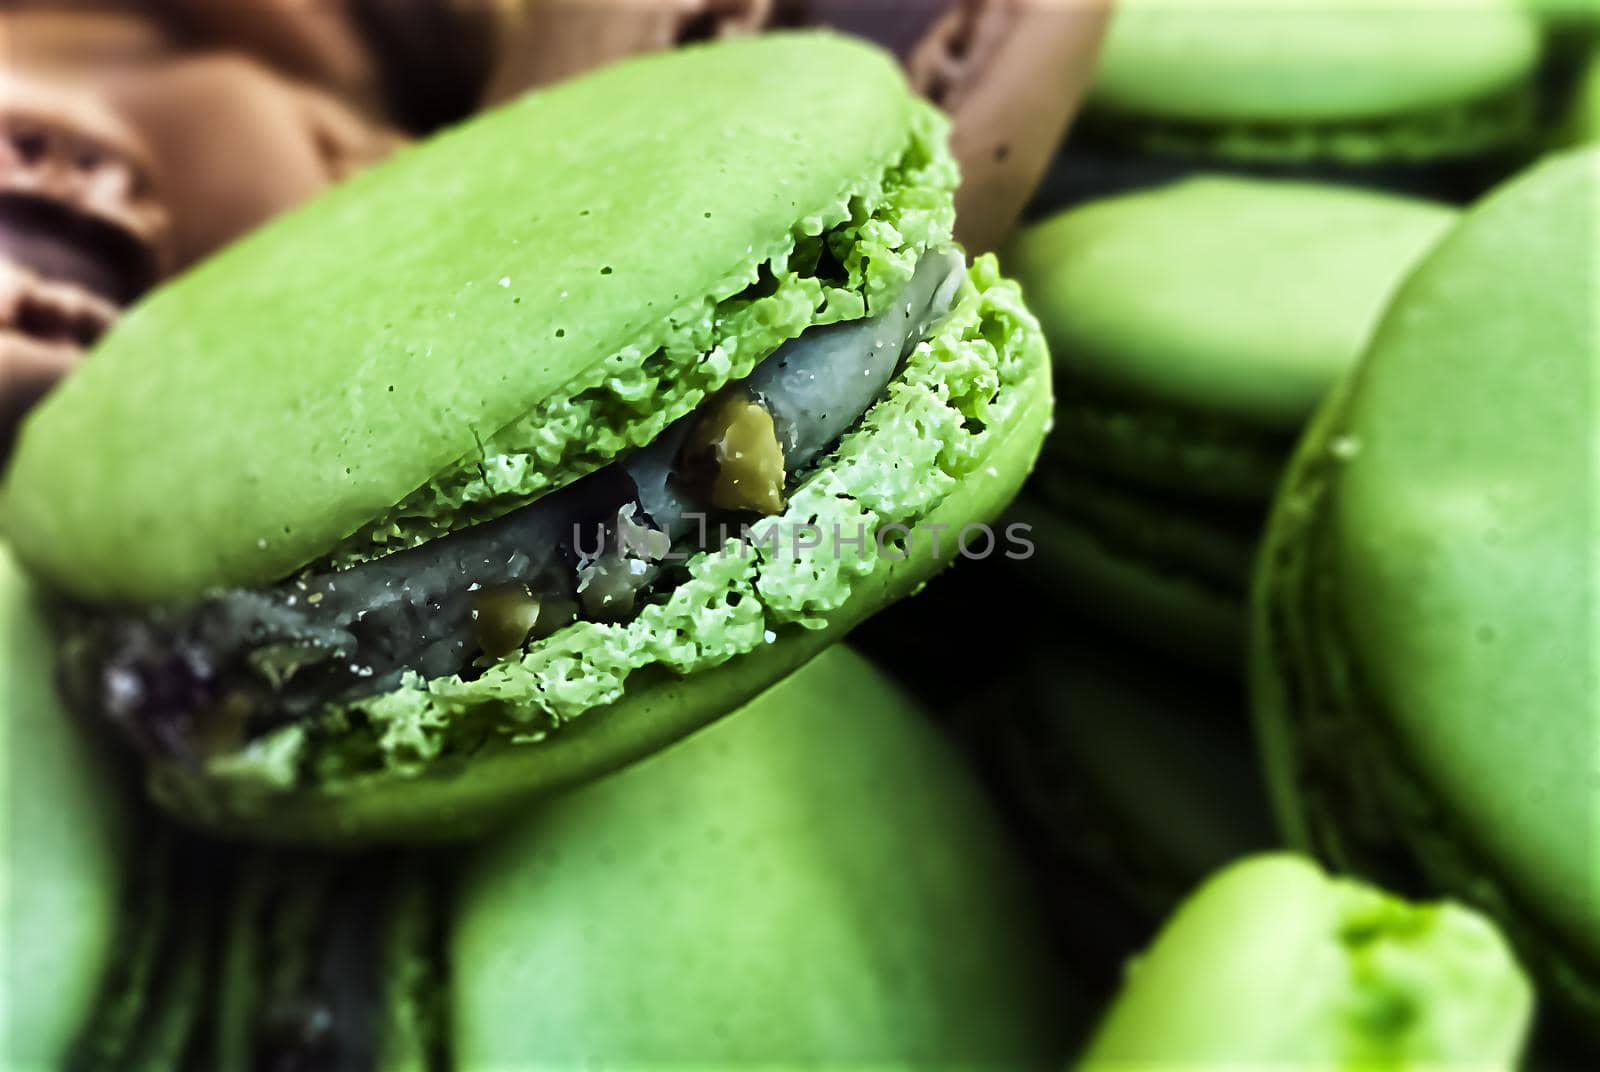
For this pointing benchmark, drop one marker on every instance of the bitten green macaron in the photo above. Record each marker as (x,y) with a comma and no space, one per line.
(1423,645)
(427,497)
(1273,963)
(814,881)
(1349,83)
(1194,328)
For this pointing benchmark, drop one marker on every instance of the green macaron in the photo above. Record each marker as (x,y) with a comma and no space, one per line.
(1423,647)
(1273,963)
(532,449)
(815,881)
(1194,328)
(1349,83)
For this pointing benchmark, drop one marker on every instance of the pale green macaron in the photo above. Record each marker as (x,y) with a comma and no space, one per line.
(1274,964)
(1423,643)
(1341,82)
(1193,330)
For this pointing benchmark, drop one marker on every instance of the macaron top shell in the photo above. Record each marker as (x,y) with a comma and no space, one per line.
(1309,61)
(814,881)
(62,847)
(1271,962)
(1460,541)
(1237,298)
(250,415)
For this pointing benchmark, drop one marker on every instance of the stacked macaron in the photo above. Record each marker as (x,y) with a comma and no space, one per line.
(1437,97)
(1193,330)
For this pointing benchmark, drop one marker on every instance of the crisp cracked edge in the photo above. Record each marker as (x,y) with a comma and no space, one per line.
(1310,706)
(951,442)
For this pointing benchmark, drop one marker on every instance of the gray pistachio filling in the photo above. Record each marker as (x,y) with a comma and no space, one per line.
(201,679)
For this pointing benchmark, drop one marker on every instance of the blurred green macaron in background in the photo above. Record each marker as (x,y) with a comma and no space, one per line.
(1346,85)
(1423,644)
(1273,963)
(814,881)
(1193,329)
(426,498)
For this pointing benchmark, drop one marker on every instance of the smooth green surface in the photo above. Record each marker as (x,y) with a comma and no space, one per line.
(1234,300)
(814,880)
(1272,962)
(1309,61)
(1463,541)
(251,414)
(63,844)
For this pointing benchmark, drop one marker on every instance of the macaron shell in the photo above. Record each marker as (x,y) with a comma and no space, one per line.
(814,880)
(249,415)
(1466,560)
(62,847)
(1309,61)
(1230,298)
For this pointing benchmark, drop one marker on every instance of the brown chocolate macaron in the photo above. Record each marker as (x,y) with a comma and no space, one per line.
(83,231)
